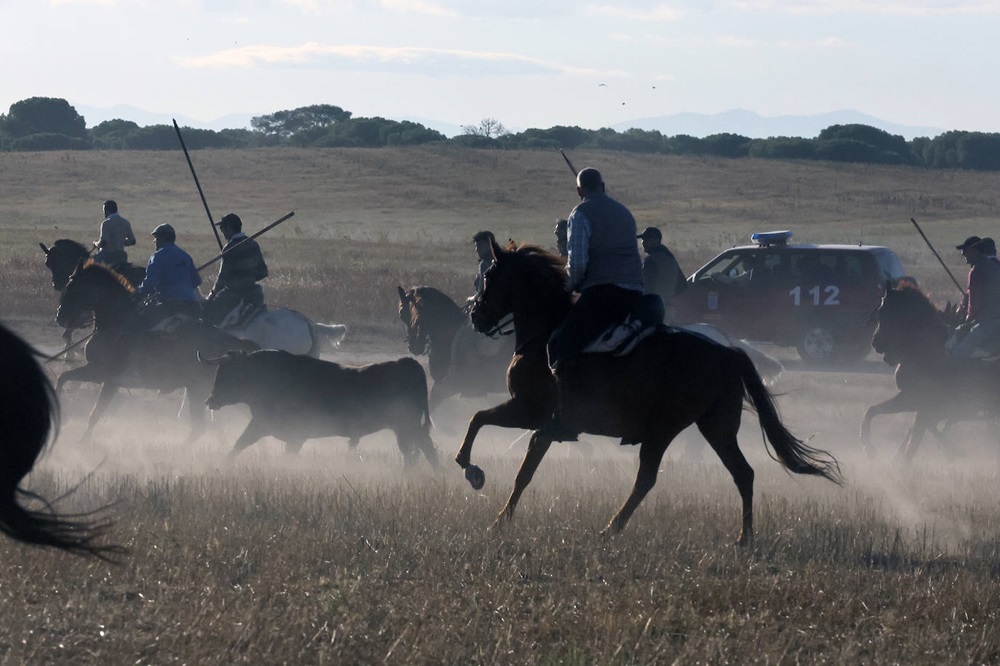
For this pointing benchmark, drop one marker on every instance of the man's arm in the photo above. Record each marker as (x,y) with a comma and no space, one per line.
(578,249)
(129,236)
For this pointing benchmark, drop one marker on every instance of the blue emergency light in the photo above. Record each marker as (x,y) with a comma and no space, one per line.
(771,237)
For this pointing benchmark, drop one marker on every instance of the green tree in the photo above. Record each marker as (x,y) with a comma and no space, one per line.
(309,120)
(43,115)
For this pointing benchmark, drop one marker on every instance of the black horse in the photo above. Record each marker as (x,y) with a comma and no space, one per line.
(28,417)
(461,361)
(911,334)
(65,255)
(121,354)
(670,380)
(62,259)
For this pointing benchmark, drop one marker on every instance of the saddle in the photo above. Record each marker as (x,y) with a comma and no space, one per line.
(622,338)
(241,315)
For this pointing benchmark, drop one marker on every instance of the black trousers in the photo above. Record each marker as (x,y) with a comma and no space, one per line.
(597,309)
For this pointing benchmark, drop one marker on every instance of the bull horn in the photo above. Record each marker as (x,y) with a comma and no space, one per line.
(44,249)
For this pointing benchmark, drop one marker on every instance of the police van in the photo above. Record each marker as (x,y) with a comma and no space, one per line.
(820,299)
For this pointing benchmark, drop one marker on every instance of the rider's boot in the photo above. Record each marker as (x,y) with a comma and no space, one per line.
(556,429)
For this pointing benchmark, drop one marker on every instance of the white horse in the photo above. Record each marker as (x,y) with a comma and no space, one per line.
(769,367)
(288,330)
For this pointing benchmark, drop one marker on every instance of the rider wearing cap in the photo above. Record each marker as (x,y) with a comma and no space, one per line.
(982,312)
(242,268)
(660,271)
(171,279)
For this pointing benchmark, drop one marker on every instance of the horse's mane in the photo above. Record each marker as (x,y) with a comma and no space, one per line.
(914,299)
(104,275)
(550,265)
(67,244)
(434,298)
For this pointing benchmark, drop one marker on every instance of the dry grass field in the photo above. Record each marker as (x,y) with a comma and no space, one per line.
(339,556)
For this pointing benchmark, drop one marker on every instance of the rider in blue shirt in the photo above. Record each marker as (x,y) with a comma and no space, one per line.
(171,278)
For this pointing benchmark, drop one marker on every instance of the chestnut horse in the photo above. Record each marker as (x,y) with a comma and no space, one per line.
(911,334)
(28,410)
(671,379)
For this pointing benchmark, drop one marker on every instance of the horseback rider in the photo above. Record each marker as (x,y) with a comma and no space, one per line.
(484,241)
(242,268)
(171,278)
(116,235)
(604,266)
(469,346)
(982,311)
(661,273)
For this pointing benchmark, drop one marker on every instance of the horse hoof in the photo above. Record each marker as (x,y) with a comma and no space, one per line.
(475,476)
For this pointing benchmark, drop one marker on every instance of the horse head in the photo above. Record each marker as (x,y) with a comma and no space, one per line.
(62,259)
(409,314)
(909,326)
(524,277)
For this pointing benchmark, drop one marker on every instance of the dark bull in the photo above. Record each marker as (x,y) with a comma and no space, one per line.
(294,398)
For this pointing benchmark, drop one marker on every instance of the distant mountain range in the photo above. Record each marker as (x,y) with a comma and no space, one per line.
(735,121)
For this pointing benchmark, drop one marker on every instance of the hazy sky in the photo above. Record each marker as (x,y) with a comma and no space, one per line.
(527,63)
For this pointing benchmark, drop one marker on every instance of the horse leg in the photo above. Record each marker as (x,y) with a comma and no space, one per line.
(721,435)
(85,374)
(650,456)
(921,423)
(512,413)
(537,448)
(899,403)
(196,397)
(108,391)
(440,391)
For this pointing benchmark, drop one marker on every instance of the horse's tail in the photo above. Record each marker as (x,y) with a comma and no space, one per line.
(29,417)
(791,452)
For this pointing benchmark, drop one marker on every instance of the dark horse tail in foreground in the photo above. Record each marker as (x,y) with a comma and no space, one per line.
(27,419)
(911,334)
(669,381)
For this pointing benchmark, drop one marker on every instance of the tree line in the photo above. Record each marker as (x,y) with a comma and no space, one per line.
(46,123)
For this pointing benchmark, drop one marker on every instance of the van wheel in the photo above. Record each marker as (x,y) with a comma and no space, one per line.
(817,345)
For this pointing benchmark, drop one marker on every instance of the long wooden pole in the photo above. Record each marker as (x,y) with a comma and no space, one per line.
(262,231)
(568,163)
(211,222)
(943,265)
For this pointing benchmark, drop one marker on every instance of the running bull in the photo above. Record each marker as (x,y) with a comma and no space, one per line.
(294,398)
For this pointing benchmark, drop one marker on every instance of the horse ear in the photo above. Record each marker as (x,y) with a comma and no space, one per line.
(44,249)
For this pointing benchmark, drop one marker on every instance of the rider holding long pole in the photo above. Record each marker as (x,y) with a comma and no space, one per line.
(241,270)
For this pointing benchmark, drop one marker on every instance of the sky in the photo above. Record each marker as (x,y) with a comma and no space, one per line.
(525,63)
